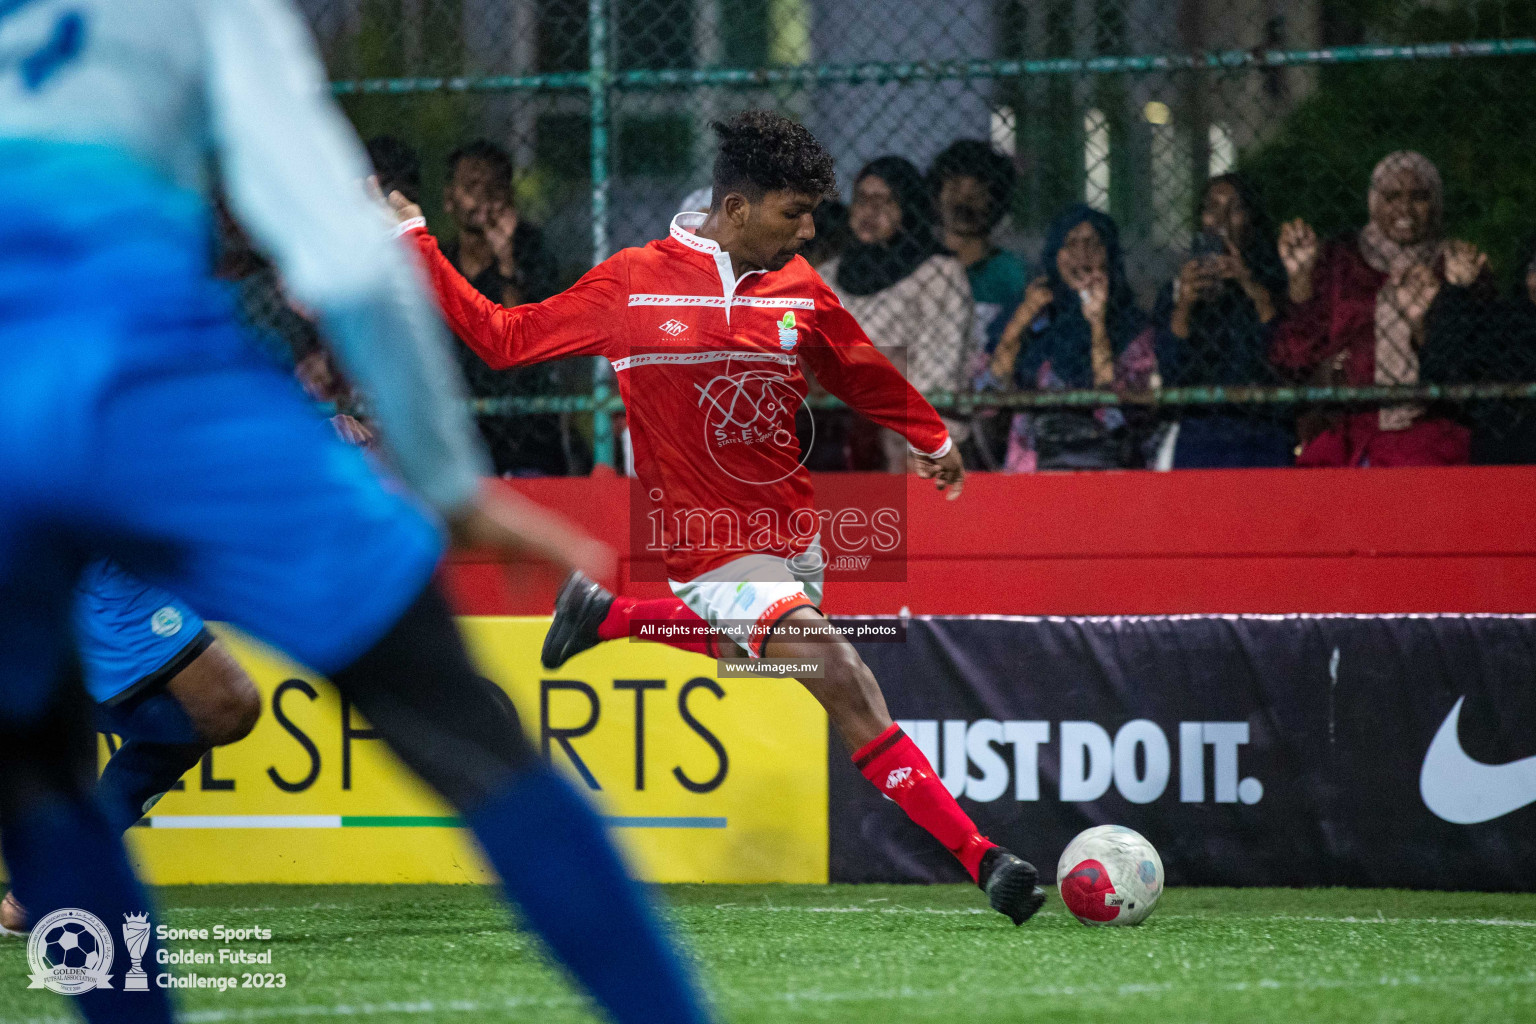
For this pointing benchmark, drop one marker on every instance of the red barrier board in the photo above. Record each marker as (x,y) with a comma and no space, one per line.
(1258,541)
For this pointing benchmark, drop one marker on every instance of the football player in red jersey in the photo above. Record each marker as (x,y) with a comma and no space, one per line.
(706,330)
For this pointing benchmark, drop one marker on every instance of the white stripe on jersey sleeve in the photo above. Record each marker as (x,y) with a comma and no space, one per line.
(753,301)
(691,358)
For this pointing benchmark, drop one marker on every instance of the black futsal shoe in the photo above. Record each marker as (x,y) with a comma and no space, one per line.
(1009,883)
(580,608)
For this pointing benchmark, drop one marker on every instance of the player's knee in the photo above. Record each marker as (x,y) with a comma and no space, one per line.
(234,710)
(244,713)
(232,721)
(842,664)
(218,696)
(847,680)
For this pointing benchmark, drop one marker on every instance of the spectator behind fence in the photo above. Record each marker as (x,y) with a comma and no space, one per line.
(909,295)
(1368,307)
(498,251)
(1215,324)
(1502,351)
(503,255)
(1078,327)
(973,186)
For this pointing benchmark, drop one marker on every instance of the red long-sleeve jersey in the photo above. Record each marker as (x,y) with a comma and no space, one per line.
(708,366)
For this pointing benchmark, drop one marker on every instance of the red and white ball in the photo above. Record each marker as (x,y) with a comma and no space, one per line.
(1110,875)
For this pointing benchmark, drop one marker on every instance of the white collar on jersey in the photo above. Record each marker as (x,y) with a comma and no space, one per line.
(684,228)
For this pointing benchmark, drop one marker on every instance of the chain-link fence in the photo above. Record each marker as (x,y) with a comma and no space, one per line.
(1169,235)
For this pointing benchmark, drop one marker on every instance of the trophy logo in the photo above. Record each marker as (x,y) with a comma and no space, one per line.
(136,938)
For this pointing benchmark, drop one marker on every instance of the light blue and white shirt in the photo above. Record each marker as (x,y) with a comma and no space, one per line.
(184,87)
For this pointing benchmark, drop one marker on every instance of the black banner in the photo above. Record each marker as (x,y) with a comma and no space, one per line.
(1251,750)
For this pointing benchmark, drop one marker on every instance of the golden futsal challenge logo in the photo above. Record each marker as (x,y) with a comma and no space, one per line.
(70,952)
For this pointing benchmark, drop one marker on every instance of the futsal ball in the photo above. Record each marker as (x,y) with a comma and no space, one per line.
(1110,875)
(71,945)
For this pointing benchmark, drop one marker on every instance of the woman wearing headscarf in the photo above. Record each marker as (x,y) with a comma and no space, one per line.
(1078,327)
(1215,323)
(1369,306)
(910,296)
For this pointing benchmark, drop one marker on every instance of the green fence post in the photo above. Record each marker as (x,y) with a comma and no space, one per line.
(599,80)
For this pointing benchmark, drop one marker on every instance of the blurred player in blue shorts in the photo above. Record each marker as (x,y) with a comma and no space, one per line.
(138,422)
(162,682)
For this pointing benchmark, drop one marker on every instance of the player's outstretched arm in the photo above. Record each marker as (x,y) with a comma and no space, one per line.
(573,323)
(848,365)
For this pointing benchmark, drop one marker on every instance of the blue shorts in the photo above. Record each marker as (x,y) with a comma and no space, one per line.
(138,422)
(131,635)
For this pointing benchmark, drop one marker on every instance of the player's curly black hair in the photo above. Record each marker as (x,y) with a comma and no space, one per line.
(761,151)
(972,158)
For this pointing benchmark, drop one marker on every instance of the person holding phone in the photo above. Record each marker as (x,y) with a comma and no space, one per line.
(1078,327)
(1214,324)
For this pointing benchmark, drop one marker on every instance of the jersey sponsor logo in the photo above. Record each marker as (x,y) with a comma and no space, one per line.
(1462,791)
(789,335)
(674,327)
(165,622)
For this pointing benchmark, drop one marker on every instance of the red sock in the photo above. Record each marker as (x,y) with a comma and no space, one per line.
(894,765)
(666,620)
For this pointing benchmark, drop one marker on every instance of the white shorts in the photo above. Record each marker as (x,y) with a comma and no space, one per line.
(746,597)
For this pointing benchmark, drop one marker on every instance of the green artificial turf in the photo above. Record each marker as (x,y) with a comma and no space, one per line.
(879,954)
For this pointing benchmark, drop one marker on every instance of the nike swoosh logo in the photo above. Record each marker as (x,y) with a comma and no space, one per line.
(1466,792)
